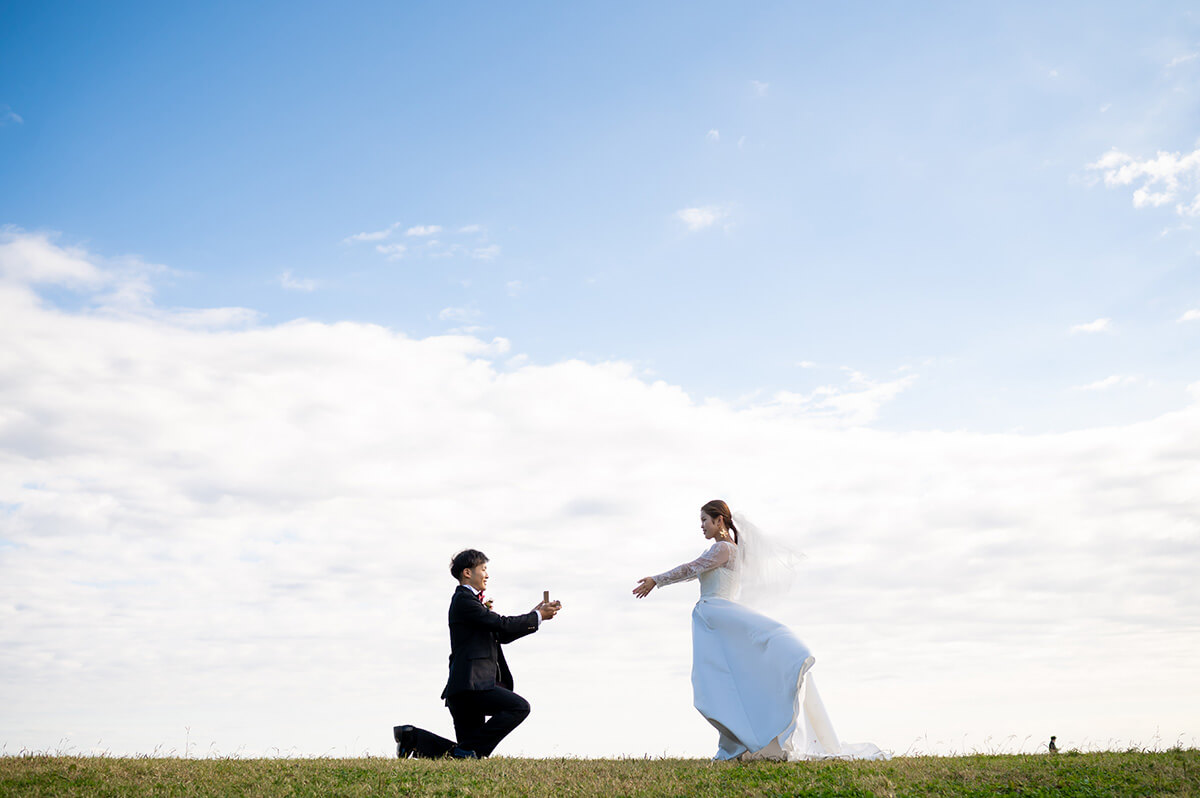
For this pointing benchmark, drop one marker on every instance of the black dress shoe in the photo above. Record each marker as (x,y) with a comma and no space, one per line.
(404,741)
(460,753)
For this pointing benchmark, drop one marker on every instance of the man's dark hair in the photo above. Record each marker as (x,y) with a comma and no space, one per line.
(467,558)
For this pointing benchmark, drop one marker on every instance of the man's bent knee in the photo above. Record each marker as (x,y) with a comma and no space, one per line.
(520,711)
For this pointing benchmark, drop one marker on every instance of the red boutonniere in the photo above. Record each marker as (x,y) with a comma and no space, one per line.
(488,604)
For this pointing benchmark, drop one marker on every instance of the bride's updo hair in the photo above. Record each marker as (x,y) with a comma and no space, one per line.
(719,509)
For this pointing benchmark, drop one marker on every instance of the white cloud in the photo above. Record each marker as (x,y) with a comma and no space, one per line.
(1097,326)
(854,405)
(1182,59)
(1191,315)
(1166,178)
(1115,381)
(1105,108)
(1052,74)
(460,315)
(430,247)
(197,526)
(209,318)
(296,284)
(34,258)
(713,135)
(7,115)
(393,251)
(116,287)
(759,88)
(514,287)
(700,218)
(378,235)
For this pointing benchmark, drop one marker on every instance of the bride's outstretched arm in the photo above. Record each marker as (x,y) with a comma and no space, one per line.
(716,556)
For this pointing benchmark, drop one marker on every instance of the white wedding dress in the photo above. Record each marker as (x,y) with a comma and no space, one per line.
(750,674)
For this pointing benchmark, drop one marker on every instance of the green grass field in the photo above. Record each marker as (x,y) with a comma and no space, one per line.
(1174,772)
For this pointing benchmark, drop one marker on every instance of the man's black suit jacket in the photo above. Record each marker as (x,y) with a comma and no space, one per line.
(476,634)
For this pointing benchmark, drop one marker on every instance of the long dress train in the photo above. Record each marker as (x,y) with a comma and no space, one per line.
(750,674)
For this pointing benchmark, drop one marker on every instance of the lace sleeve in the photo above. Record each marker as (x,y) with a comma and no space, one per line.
(715,557)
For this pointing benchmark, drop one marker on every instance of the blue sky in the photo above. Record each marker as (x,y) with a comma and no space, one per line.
(898,188)
(296,300)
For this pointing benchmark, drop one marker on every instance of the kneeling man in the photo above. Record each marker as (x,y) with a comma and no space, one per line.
(479,690)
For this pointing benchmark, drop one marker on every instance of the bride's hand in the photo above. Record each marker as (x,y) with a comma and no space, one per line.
(645,585)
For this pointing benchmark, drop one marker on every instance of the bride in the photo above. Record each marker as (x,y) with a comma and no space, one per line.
(750,674)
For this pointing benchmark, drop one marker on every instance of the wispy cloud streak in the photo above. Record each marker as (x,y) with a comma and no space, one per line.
(467,240)
(292,283)
(378,235)
(1091,327)
(1108,383)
